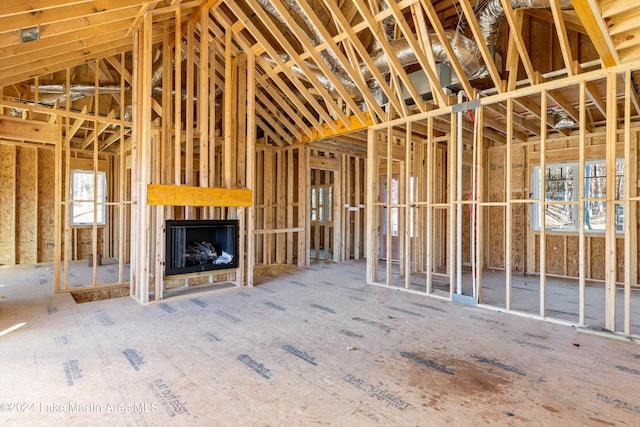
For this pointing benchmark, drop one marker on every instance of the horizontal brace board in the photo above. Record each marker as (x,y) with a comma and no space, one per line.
(185,195)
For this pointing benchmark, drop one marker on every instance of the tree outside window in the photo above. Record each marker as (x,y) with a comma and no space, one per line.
(561,187)
(85,196)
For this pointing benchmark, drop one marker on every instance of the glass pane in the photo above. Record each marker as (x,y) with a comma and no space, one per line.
(83,195)
(595,180)
(394,221)
(560,183)
(619,218)
(559,217)
(594,216)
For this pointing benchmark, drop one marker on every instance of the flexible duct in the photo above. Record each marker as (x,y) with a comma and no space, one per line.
(490,18)
(313,35)
(465,49)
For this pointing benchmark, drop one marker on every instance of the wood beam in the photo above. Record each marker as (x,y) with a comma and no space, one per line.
(102,126)
(444,41)
(427,66)
(516,35)
(589,13)
(395,66)
(185,195)
(28,130)
(332,46)
(472,19)
(311,77)
(283,105)
(563,39)
(275,56)
(327,132)
(351,38)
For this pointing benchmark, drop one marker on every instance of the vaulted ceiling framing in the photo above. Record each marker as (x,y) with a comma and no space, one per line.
(325,68)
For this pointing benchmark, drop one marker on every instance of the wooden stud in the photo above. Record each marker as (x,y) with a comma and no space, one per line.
(452,168)
(268,205)
(122,259)
(58,218)
(188,150)
(406,195)
(387,190)
(508,207)
(304,203)
(67,181)
(229,119)
(480,198)
(542,203)
(358,205)
(289,196)
(430,175)
(630,208)
(581,195)
(251,158)
(371,220)
(610,232)
(336,219)
(280,205)
(177,110)
(203,96)
(94,226)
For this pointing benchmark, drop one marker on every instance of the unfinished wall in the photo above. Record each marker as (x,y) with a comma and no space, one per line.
(280,194)
(495,214)
(7,207)
(26,205)
(27,181)
(353,202)
(562,249)
(46,205)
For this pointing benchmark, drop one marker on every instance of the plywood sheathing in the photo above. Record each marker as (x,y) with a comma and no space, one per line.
(7,208)
(26,204)
(46,205)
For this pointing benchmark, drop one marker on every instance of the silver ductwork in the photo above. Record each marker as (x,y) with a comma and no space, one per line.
(490,18)
(313,35)
(465,49)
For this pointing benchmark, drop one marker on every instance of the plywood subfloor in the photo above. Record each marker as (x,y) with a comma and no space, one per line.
(314,347)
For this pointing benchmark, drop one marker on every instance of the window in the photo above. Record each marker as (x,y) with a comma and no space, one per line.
(321,202)
(595,186)
(83,196)
(561,188)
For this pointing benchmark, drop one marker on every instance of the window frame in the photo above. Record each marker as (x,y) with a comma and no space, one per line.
(576,198)
(96,199)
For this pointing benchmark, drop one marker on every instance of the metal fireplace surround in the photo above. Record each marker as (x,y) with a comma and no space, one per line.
(200,245)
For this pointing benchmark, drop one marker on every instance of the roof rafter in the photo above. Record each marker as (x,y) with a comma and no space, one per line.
(419,52)
(275,56)
(589,13)
(316,57)
(386,47)
(444,41)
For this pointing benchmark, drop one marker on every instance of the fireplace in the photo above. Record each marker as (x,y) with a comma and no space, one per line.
(200,245)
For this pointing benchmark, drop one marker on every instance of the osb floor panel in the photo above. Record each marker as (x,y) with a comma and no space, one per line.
(315,347)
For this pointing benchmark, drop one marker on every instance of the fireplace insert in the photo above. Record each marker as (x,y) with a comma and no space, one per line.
(200,245)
